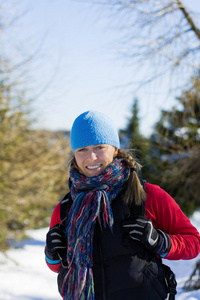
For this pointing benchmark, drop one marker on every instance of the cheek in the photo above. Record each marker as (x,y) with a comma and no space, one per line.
(78,160)
(79,165)
(109,158)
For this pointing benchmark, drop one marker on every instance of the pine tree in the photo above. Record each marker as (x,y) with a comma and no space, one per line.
(176,149)
(132,139)
(32,162)
(32,167)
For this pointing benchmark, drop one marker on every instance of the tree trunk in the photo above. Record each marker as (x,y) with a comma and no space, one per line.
(193,283)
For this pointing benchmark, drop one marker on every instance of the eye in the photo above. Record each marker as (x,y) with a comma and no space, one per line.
(99,147)
(81,150)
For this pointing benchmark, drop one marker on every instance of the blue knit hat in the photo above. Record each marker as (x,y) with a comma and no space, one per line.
(93,128)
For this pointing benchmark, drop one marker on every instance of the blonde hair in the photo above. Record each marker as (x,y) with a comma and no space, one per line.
(134,192)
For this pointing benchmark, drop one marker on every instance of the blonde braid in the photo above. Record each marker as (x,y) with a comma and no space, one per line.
(134,192)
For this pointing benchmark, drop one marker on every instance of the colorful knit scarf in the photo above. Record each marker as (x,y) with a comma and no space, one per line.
(92,197)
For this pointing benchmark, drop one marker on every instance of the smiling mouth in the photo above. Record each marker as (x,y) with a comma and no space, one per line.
(93,167)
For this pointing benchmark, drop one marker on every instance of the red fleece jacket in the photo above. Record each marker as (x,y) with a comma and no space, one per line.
(165,215)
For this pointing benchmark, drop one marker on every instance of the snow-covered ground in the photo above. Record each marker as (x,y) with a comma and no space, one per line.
(25,276)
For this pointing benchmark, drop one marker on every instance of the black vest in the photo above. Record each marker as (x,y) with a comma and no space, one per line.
(123,269)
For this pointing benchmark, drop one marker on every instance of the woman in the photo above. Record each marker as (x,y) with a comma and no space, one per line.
(108,236)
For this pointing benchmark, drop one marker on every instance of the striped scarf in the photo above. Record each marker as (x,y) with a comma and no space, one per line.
(92,197)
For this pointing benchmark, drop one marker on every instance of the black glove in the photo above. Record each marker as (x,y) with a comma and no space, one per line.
(56,243)
(142,229)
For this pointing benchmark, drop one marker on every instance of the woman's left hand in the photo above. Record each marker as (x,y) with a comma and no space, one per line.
(142,229)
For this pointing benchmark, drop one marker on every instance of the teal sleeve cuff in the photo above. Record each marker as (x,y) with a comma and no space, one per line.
(163,255)
(52,262)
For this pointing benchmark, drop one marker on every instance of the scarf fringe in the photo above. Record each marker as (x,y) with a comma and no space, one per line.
(74,284)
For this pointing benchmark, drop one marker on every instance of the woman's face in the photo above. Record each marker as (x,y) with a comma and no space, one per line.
(92,160)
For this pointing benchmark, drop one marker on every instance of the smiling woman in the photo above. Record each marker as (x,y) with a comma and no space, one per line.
(108,235)
(93,160)
(95,142)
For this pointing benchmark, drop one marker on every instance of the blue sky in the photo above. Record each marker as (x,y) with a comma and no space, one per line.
(78,64)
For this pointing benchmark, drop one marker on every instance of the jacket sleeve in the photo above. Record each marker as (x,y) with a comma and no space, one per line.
(167,216)
(53,262)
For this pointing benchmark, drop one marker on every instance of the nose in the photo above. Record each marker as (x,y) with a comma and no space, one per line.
(91,155)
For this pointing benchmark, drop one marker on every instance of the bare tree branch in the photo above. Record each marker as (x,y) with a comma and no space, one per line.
(162,34)
(189,19)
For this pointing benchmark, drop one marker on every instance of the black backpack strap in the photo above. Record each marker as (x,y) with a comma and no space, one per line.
(138,210)
(65,206)
(170,280)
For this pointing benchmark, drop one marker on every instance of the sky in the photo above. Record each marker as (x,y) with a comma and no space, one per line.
(75,65)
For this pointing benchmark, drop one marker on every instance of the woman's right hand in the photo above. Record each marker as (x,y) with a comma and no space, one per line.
(56,241)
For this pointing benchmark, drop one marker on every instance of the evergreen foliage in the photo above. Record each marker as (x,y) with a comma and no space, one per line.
(32,162)
(32,167)
(175,153)
(132,138)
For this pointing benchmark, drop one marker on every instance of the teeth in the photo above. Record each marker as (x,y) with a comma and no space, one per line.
(93,167)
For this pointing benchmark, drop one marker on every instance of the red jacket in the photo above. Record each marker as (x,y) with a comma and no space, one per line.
(165,215)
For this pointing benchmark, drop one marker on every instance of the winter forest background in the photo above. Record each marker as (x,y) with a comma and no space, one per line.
(160,42)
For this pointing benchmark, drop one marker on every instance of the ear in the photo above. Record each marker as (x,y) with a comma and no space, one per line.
(115,152)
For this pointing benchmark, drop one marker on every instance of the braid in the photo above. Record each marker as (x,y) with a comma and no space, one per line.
(134,192)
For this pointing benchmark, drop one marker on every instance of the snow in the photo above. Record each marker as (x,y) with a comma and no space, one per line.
(24,274)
